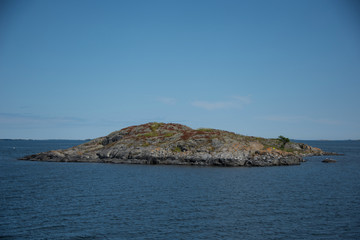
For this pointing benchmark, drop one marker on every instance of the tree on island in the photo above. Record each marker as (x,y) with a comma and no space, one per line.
(284,140)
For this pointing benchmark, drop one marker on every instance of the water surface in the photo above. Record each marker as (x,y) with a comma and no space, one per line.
(50,200)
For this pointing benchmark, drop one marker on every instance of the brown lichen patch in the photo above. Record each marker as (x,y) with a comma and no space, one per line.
(188,134)
(199,134)
(128,130)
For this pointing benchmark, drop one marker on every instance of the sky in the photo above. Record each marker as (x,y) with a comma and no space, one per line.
(82,69)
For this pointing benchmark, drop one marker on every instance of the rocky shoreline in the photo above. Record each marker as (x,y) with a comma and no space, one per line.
(176,144)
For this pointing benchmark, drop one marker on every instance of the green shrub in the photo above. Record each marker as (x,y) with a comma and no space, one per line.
(284,140)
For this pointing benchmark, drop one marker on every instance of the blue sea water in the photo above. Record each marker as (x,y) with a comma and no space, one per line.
(50,200)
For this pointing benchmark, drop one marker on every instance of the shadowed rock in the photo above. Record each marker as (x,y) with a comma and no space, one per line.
(160,143)
(328,160)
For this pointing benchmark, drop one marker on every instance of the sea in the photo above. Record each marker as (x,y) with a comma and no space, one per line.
(57,200)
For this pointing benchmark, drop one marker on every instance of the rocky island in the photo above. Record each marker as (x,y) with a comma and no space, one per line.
(176,144)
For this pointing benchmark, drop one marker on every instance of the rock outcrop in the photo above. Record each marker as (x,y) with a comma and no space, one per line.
(328,160)
(160,143)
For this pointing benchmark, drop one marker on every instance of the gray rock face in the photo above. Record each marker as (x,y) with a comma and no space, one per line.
(160,143)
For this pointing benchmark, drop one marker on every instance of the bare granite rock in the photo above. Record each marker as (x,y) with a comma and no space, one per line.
(160,143)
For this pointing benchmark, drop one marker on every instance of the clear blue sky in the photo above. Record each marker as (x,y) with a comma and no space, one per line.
(82,69)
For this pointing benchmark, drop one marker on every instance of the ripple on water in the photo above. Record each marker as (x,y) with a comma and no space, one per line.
(105,201)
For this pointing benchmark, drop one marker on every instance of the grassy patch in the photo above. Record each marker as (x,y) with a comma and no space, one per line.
(151,134)
(154,133)
(269,146)
(258,139)
(177,149)
(205,129)
(146,144)
(289,150)
(170,134)
(155,125)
